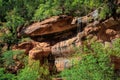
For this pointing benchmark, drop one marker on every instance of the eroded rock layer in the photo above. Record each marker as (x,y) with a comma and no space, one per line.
(49,26)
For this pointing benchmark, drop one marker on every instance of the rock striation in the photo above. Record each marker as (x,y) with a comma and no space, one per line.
(49,26)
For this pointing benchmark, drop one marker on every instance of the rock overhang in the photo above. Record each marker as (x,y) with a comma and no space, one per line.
(49,26)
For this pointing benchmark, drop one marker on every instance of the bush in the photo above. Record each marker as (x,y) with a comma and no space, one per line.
(9,55)
(45,11)
(5,76)
(9,38)
(29,72)
(118,10)
(95,65)
(105,12)
(34,71)
(10,35)
(115,48)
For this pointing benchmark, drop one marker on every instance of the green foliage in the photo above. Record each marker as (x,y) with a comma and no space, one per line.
(46,10)
(118,10)
(9,38)
(13,21)
(9,55)
(33,72)
(95,65)
(25,39)
(70,7)
(24,8)
(15,15)
(115,48)
(105,12)
(29,72)
(41,9)
(5,76)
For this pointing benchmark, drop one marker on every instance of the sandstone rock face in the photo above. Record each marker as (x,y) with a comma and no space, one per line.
(67,47)
(110,22)
(106,30)
(40,50)
(26,46)
(34,49)
(111,32)
(63,45)
(48,26)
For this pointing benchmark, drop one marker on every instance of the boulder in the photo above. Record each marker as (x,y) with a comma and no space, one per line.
(65,63)
(111,32)
(40,50)
(107,45)
(34,49)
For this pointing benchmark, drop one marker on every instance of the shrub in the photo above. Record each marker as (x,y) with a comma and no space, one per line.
(33,72)
(105,12)
(115,48)
(8,56)
(29,72)
(5,76)
(45,11)
(118,10)
(95,65)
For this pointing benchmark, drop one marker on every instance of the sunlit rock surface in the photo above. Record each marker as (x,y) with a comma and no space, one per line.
(40,50)
(48,26)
